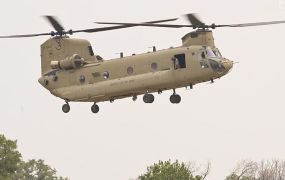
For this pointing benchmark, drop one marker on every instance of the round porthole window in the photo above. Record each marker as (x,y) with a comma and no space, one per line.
(106,75)
(82,78)
(130,70)
(154,66)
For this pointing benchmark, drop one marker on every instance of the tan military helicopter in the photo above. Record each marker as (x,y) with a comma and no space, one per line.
(71,71)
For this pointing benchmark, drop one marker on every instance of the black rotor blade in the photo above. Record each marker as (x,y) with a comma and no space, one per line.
(150,22)
(84,30)
(252,24)
(147,24)
(126,25)
(26,35)
(120,27)
(194,20)
(54,22)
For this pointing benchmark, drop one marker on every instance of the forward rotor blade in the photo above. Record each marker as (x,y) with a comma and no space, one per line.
(252,24)
(26,35)
(84,30)
(194,20)
(54,22)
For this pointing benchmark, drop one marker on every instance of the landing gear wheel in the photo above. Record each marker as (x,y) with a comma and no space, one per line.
(66,108)
(175,99)
(148,98)
(95,108)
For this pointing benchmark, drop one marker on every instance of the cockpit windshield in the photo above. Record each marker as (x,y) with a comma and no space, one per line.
(210,52)
(217,53)
(213,52)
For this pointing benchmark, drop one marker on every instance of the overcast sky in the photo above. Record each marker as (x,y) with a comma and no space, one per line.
(240,116)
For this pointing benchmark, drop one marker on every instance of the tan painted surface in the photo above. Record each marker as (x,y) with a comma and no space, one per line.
(97,81)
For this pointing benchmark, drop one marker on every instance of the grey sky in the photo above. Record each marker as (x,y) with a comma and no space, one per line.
(240,116)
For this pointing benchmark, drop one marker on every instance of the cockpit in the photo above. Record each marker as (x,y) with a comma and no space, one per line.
(211,57)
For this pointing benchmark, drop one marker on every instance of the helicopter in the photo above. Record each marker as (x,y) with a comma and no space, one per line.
(72,71)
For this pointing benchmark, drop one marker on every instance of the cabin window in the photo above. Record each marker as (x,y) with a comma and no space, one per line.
(179,61)
(82,79)
(90,51)
(106,75)
(153,66)
(130,70)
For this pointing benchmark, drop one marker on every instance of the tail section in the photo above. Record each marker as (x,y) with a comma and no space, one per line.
(60,48)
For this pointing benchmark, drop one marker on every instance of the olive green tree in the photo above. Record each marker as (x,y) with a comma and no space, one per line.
(167,170)
(12,167)
(10,158)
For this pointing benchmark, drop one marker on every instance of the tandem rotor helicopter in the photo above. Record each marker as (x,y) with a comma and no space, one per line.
(71,71)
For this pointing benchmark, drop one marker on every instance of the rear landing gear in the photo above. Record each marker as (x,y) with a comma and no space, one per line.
(95,108)
(148,98)
(66,107)
(175,98)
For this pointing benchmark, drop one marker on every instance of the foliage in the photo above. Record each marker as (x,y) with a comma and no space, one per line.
(169,171)
(263,170)
(10,158)
(236,177)
(12,167)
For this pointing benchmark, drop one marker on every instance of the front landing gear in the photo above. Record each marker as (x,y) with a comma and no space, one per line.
(175,98)
(95,108)
(66,107)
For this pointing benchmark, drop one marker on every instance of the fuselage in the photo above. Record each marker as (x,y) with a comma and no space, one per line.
(137,74)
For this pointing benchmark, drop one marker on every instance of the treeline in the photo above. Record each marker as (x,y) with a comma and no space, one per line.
(12,167)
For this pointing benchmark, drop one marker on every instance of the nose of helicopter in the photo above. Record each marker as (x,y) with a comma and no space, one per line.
(228,64)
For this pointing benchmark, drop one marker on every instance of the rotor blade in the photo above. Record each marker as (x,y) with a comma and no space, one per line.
(158,21)
(161,21)
(92,30)
(147,24)
(194,20)
(26,35)
(54,22)
(119,27)
(252,24)
(84,30)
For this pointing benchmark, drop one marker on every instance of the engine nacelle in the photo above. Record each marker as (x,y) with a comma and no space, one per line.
(72,62)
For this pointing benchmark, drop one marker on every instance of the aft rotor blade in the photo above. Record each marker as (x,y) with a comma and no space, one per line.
(126,25)
(147,24)
(119,27)
(54,22)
